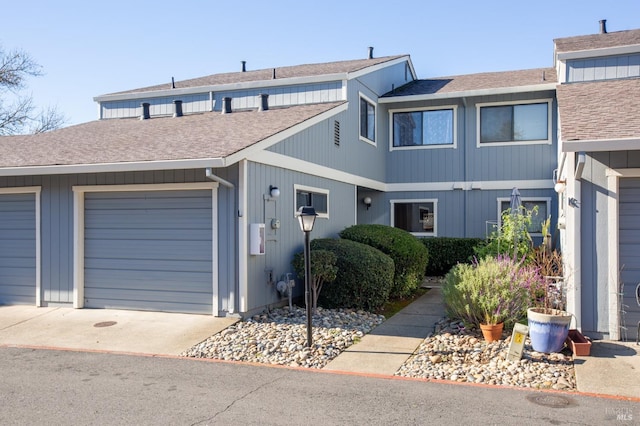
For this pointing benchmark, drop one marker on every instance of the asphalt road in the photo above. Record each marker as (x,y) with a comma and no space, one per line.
(47,387)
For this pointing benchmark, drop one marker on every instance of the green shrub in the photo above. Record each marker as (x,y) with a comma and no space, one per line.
(447,252)
(323,270)
(364,278)
(409,255)
(491,291)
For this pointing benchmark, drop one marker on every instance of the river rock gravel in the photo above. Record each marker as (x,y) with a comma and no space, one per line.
(452,352)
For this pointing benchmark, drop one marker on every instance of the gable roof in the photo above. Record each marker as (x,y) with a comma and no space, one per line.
(597,41)
(308,70)
(466,85)
(603,110)
(120,141)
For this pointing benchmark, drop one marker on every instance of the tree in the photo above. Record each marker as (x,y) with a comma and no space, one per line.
(18,114)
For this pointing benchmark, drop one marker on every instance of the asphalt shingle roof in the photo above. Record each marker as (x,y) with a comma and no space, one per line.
(488,80)
(599,110)
(196,136)
(267,74)
(597,41)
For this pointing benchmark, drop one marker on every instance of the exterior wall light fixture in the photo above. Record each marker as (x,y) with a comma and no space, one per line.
(367,202)
(274,191)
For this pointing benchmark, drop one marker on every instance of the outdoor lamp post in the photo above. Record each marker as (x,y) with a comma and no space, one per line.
(307,217)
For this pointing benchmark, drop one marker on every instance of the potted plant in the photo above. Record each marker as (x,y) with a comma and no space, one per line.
(548,321)
(490,294)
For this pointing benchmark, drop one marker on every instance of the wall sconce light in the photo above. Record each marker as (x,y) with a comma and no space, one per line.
(274,191)
(367,202)
(560,186)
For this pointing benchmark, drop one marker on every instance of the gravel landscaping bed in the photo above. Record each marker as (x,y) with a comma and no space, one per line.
(453,352)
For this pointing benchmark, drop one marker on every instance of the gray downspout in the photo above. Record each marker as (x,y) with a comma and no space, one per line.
(209,174)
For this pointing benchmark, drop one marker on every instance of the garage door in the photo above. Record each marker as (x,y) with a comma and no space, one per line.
(629,211)
(17,249)
(149,250)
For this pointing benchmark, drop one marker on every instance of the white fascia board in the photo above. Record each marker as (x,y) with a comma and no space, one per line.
(623,144)
(592,53)
(468,186)
(471,93)
(289,163)
(377,67)
(112,167)
(260,84)
(279,137)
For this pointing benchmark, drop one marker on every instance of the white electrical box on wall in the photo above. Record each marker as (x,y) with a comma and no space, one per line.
(256,239)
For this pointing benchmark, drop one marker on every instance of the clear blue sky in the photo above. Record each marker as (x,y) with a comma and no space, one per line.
(88,48)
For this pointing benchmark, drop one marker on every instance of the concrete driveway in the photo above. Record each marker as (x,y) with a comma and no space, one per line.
(107,330)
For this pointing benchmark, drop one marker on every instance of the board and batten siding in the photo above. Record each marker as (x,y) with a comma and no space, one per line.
(57,225)
(283,243)
(199,102)
(605,68)
(18,248)
(386,79)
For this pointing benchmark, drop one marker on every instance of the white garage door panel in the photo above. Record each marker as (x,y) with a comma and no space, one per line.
(149,250)
(17,249)
(629,249)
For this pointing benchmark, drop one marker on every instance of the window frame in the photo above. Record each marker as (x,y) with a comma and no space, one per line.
(416,201)
(547,141)
(454,145)
(312,190)
(538,200)
(363,97)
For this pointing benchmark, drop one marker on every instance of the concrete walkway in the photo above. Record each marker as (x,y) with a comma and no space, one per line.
(388,346)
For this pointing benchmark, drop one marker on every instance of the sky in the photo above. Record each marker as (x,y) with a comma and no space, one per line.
(88,48)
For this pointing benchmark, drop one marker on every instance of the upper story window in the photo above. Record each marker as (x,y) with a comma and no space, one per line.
(415,216)
(314,197)
(538,206)
(502,123)
(367,119)
(426,128)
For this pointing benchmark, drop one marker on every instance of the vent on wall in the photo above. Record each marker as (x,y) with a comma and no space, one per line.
(336,133)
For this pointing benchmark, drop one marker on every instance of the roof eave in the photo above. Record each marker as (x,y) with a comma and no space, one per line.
(222,87)
(604,51)
(471,93)
(113,167)
(598,145)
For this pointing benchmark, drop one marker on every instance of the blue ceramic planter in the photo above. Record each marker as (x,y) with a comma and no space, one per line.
(548,331)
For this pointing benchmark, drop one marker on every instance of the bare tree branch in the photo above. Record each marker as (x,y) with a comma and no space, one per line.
(20,115)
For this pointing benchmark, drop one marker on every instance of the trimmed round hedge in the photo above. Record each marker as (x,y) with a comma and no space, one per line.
(364,279)
(409,255)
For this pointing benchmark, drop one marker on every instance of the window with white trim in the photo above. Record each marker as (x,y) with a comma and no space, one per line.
(416,216)
(313,197)
(510,123)
(367,119)
(431,127)
(538,215)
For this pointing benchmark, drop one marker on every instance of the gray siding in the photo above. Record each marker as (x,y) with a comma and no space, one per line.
(386,79)
(467,162)
(57,225)
(606,68)
(241,99)
(158,106)
(458,213)
(282,243)
(149,251)
(17,249)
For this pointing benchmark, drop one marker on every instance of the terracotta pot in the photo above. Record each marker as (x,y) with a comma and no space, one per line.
(492,332)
